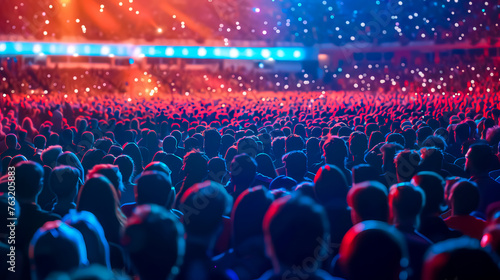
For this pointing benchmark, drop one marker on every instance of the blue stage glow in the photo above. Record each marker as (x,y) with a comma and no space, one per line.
(133,51)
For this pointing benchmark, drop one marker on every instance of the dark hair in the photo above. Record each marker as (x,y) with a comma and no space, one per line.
(154,241)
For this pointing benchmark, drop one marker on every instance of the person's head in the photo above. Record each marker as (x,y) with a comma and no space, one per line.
(154,187)
(247,145)
(217,169)
(195,164)
(435,141)
(479,159)
(56,247)
(39,141)
(49,156)
(368,201)
(330,185)
(493,138)
(265,165)
(131,149)
(111,172)
(278,146)
(154,241)
(335,150)
(464,197)
(99,197)
(295,165)
(432,159)
(29,177)
(294,142)
(406,165)
(461,258)
(364,172)
(63,182)
(212,141)
(242,170)
(16,160)
(406,201)
(126,166)
(204,221)
(160,167)
(11,141)
(169,144)
(396,138)
(248,213)
(283,182)
(422,134)
(373,249)
(462,132)
(95,242)
(296,233)
(433,186)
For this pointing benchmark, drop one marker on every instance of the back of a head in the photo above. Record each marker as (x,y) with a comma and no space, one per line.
(204,219)
(212,139)
(295,163)
(248,214)
(368,201)
(295,231)
(29,177)
(334,147)
(50,155)
(243,169)
(160,167)
(330,185)
(247,145)
(154,187)
(64,180)
(99,197)
(39,141)
(56,247)
(406,165)
(462,132)
(294,142)
(195,162)
(169,144)
(423,133)
(111,172)
(358,143)
(406,201)
(433,186)
(373,249)
(125,165)
(154,241)
(93,234)
(364,172)
(283,182)
(461,258)
(464,197)
(11,141)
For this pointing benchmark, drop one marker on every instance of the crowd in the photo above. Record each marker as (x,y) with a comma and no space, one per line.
(281,185)
(307,22)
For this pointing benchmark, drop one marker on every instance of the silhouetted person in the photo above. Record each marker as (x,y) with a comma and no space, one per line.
(56,247)
(154,241)
(309,227)
(464,199)
(64,182)
(479,161)
(372,250)
(368,201)
(459,259)
(405,205)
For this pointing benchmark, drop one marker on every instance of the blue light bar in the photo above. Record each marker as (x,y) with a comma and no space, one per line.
(137,51)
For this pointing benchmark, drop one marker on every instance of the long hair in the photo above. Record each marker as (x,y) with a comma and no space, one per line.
(99,197)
